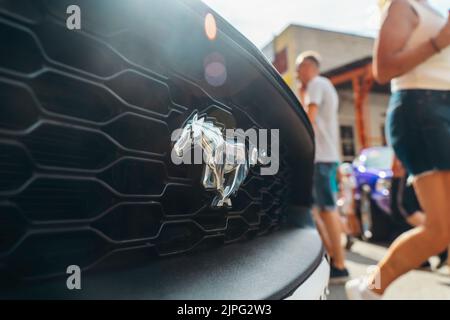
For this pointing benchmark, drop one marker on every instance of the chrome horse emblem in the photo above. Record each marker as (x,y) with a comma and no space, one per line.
(227,163)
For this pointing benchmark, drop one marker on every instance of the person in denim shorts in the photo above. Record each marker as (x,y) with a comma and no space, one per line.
(413,50)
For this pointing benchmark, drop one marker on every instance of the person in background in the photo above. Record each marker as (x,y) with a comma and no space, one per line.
(413,50)
(346,202)
(320,100)
(403,198)
(406,206)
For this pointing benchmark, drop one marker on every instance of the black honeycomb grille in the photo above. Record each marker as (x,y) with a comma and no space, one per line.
(85,170)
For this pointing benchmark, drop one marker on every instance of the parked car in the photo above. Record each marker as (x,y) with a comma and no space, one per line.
(372,170)
(86,175)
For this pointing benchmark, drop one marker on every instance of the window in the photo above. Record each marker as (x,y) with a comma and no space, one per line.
(347,142)
(281,61)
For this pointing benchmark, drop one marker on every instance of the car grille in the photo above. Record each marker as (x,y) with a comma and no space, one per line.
(85,170)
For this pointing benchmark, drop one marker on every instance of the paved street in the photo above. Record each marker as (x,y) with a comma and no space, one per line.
(414,285)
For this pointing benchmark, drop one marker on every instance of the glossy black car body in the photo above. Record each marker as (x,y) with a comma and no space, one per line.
(85,171)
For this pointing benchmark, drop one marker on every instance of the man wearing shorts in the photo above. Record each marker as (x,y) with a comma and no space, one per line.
(320,99)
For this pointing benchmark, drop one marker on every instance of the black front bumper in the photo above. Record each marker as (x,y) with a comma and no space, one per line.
(271,267)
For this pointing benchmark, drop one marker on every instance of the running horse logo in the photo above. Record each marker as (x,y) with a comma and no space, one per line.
(227,163)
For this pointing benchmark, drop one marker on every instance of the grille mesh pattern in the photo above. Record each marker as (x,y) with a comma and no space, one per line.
(85,169)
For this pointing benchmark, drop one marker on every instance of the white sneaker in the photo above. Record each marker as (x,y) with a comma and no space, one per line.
(357,289)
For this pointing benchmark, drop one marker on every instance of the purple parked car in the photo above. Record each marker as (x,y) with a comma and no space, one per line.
(372,170)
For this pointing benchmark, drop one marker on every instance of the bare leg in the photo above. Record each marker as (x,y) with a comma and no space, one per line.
(344,224)
(354,226)
(415,246)
(322,232)
(332,223)
(416,219)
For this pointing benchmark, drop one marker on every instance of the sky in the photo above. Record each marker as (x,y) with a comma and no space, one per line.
(261,20)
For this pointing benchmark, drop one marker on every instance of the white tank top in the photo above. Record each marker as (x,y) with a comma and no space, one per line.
(434,73)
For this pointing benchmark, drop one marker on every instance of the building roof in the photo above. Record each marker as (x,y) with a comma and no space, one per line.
(360,63)
(348,67)
(352,34)
(315,28)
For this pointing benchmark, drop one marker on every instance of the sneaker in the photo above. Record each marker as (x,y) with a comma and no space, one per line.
(349,243)
(357,289)
(443,257)
(426,266)
(338,276)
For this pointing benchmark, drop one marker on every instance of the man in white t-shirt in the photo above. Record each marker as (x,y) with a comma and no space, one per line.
(320,99)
